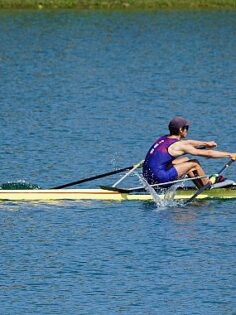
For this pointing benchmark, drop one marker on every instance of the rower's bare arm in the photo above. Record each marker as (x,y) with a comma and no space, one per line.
(184,147)
(201,144)
(187,148)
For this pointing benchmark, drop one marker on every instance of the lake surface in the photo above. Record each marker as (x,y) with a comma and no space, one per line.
(82,93)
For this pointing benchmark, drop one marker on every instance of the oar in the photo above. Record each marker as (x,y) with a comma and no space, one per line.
(208,185)
(88,179)
(142,188)
(127,174)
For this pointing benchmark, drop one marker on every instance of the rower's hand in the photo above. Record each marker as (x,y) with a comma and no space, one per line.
(233,156)
(211,144)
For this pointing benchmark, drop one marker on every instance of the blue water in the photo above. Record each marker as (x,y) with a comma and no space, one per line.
(85,93)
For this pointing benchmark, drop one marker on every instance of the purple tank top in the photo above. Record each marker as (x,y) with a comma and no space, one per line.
(158,157)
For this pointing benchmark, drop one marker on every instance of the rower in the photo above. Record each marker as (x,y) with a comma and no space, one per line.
(165,159)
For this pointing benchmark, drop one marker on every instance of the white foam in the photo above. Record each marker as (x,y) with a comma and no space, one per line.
(164,198)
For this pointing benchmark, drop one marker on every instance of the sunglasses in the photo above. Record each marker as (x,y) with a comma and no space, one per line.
(186,127)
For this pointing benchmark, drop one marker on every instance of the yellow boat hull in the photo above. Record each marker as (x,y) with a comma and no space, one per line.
(100,194)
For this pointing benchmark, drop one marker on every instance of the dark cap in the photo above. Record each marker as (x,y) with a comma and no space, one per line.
(178,122)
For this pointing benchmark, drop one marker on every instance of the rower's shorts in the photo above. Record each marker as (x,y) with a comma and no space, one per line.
(162,176)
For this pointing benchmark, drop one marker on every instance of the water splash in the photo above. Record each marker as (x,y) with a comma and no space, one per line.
(165,197)
(18,185)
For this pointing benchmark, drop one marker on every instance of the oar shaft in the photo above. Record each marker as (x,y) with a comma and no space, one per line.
(208,185)
(88,179)
(127,174)
(142,188)
(226,166)
(173,182)
(199,191)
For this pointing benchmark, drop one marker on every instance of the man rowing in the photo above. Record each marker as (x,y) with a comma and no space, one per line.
(164,161)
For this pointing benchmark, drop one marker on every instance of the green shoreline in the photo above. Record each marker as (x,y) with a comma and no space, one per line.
(118,4)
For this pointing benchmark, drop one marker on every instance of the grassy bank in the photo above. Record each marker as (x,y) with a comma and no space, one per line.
(119,4)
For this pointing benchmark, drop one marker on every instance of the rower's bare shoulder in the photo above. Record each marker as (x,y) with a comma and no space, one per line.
(182,147)
(180,144)
(185,142)
(176,148)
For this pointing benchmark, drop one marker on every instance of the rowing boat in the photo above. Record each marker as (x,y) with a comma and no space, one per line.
(102,194)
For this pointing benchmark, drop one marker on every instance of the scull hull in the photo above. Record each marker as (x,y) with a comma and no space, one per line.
(100,194)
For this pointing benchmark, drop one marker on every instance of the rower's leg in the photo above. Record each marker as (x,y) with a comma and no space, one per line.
(196,181)
(198,171)
(192,168)
(180,160)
